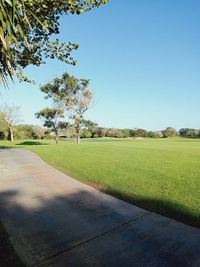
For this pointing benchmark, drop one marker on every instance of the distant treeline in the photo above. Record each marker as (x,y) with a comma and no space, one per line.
(119,133)
(92,130)
(187,132)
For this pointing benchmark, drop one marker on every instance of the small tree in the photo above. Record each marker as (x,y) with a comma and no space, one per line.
(71,94)
(9,117)
(51,118)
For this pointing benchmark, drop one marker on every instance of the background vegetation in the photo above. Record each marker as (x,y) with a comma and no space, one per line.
(91,129)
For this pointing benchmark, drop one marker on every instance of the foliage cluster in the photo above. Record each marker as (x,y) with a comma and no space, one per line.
(24,132)
(26,31)
(89,129)
(97,131)
(187,132)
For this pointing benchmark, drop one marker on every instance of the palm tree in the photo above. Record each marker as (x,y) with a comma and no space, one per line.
(12,18)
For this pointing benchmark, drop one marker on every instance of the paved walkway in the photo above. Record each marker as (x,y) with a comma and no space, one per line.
(53,220)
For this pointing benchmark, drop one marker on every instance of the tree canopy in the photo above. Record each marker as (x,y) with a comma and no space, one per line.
(26,29)
(73,95)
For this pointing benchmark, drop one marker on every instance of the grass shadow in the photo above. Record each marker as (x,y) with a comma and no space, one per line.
(31,143)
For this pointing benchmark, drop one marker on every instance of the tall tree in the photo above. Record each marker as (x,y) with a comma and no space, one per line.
(9,117)
(26,29)
(52,120)
(71,94)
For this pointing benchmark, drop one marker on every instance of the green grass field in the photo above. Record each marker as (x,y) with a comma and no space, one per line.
(162,175)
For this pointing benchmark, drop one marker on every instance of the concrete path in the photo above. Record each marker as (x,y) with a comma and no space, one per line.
(53,220)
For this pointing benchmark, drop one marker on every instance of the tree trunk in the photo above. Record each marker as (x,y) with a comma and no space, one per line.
(11,135)
(56,134)
(56,138)
(78,139)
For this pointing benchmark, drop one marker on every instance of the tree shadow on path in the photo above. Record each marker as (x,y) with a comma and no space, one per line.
(84,228)
(163,207)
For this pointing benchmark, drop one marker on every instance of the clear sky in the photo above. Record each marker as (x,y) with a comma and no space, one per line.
(143,59)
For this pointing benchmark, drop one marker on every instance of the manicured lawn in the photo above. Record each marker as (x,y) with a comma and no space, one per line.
(162,175)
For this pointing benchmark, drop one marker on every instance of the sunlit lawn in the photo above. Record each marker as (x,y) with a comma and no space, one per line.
(162,175)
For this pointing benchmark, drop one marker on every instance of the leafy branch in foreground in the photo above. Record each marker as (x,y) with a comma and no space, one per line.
(26,29)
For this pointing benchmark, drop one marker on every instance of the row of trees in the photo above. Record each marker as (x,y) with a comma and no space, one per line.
(55,126)
(124,133)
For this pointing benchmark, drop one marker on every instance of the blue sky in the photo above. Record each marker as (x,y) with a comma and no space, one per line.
(142,58)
